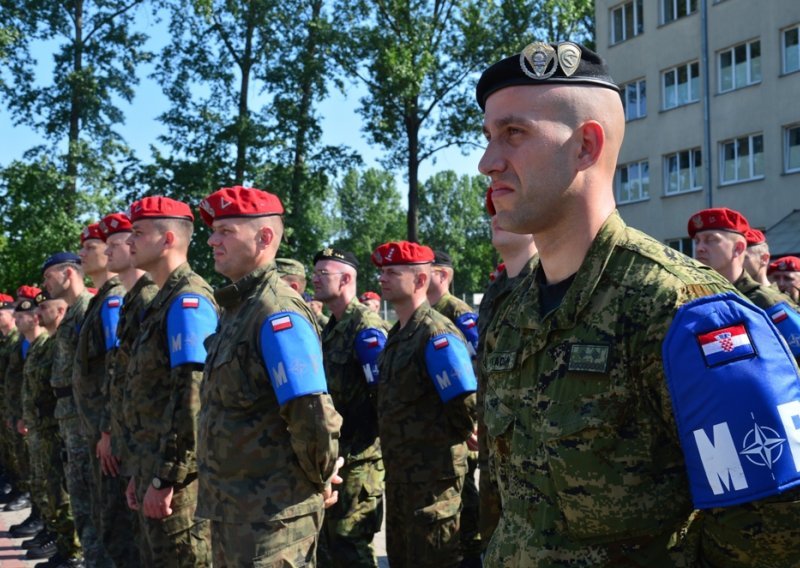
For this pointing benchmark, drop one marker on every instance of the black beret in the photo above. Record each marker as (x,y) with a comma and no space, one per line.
(25,305)
(563,63)
(61,258)
(441,258)
(42,297)
(344,256)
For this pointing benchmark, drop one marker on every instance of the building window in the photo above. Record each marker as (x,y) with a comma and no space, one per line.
(626,21)
(633,182)
(791,49)
(683,171)
(672,10)
(681,85)
(742,159)
(791,144)
(683,244)
(634,99)
(740,66)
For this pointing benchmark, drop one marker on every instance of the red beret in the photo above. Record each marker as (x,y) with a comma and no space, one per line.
(489,203)
(92,232)
(238,201)
(784,264)
(92,291)
(368,296)
(29,292)
(115,223)
(401,252)
(754,237)
(159,208)
(721,219)
(6,301)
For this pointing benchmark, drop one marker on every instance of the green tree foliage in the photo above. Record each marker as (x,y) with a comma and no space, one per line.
(35,220)
(453,219)
(519,22)
(77,108)
(419,60)
(369,214)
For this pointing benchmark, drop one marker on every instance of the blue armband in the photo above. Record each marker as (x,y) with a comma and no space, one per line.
(25,346)
(468,325)
(190,319)
(292,354)
(736,396)
(369,344)
(788,323)
(109,316)
(449,366)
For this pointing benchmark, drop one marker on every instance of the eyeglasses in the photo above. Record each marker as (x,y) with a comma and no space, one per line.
(324,273)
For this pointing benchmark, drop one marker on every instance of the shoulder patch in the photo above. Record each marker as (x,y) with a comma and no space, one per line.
(109,316)
(190,319)
(292,354)
(448,363)
(468,325)
(735,391)
(788,323)
(369,344)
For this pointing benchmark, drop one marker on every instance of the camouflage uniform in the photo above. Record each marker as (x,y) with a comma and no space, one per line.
(113,489)
(12,384)
(7,343)
(493,300)
(96,346)
(453,308)
(160,406)
(579,416)
(31,440)
(424,449)
(44,441)
(262,465)
(351,523)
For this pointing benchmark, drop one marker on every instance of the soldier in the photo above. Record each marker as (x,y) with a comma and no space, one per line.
(162,390)
(466,320)
(425,408)
(39,402)
(63,278)
(519,254)
(8,336)
(268,433)
(720,242)
(617,361)
(785,272)
(293,273)
(110,450)
(351,343)
(756,259)
(371,300)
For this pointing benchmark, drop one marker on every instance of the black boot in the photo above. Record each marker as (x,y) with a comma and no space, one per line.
(41,537)
(46,550)
(29,527)
(23,501)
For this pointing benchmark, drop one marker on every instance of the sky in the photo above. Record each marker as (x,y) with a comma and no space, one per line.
(341,123)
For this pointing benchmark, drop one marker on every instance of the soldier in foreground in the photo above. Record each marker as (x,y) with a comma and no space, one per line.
(162,391)
(351,342)
(267,442)
(425,406)
(620,366)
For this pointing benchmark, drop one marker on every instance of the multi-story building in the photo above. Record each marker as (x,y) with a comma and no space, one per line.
(711,90)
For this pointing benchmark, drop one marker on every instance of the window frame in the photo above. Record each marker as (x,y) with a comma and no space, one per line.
(734,64)
(736,166)
(675,4)
(644,189)
(787,130)
(695,170)
(682,241)
(675,71)
(641,86)
(793,28)
(637,27)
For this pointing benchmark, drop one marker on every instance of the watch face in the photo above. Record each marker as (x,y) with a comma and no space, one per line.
(156,483)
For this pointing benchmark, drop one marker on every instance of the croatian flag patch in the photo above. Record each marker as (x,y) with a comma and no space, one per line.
(190,302)
(279,324)
(725,345)
(779,316)
(440,343)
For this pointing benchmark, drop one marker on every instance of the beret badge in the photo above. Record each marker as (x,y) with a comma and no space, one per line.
(540,61)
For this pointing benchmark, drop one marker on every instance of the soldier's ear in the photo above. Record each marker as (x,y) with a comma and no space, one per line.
(266,235)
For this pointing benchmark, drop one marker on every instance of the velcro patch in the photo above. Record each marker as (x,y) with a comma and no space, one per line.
(190,302)
(281,323)
(588,358)
(726,344)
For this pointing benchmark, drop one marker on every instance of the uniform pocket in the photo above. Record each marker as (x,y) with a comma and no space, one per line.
(237,387)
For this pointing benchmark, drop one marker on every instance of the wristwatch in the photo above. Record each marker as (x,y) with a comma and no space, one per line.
(159,483)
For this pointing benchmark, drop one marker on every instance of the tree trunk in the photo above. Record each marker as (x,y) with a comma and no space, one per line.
(73,147)
(412,132)
(243,119)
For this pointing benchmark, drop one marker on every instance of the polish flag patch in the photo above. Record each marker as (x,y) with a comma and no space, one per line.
(281,323)
(190,302)
(469,323)
(779,316)
(113,303)
(726,344)
(440,343)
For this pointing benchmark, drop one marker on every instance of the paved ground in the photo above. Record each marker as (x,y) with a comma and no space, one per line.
(11,555)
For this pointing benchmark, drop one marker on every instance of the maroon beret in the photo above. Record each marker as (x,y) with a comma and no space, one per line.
(784,264)
(238,201)
(6,301)
(115,223)
(401,252)
(159,208)
(363,298)
(754,237)
(719,219)
(29,292)
(92,232)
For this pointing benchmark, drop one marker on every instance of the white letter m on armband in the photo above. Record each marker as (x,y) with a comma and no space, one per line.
(279,375)
(721,461)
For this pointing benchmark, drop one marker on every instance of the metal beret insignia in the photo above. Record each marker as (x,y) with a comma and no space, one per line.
(698,221)
(569,57)
(206,206)
(536,58)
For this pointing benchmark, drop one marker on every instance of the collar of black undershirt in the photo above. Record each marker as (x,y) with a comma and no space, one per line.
(551,295)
